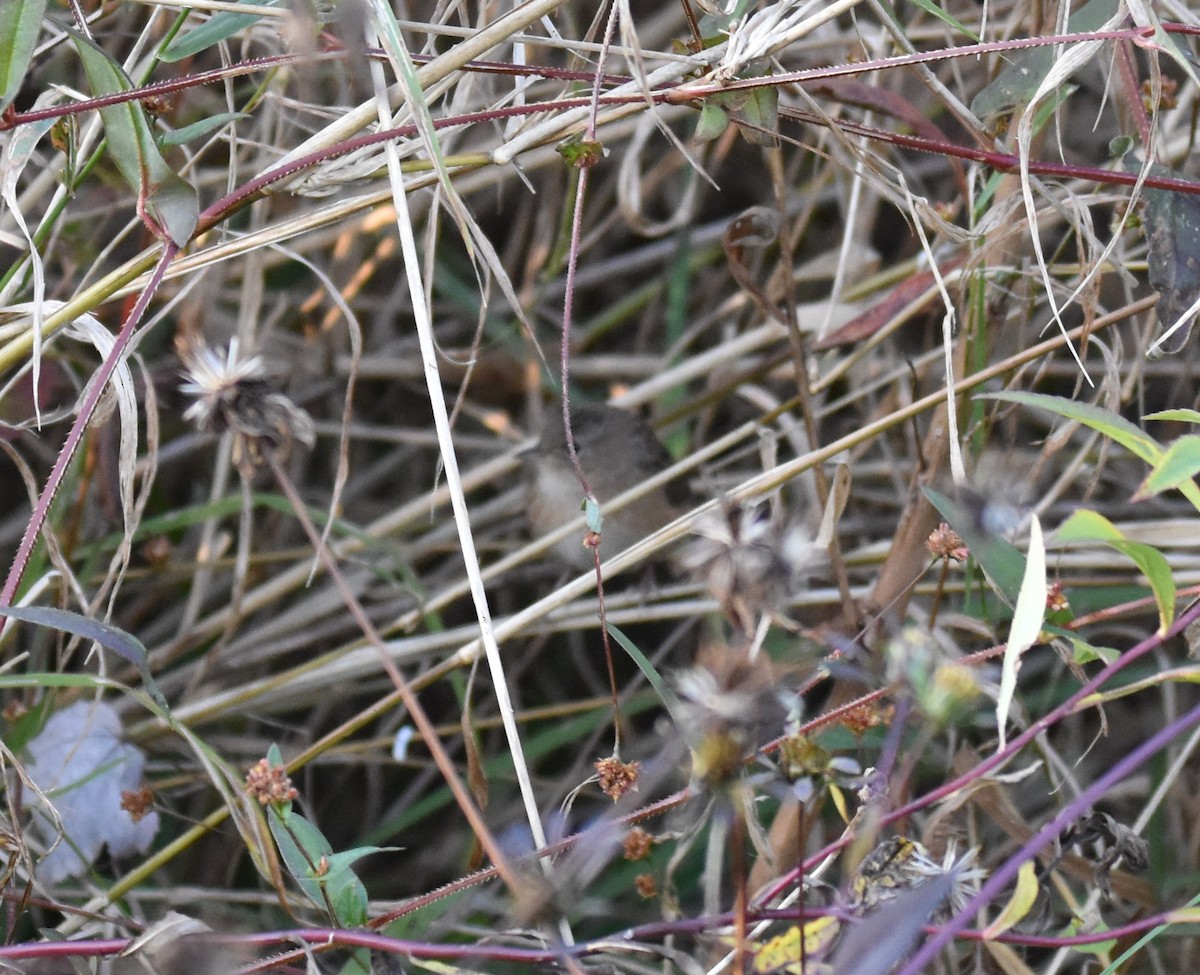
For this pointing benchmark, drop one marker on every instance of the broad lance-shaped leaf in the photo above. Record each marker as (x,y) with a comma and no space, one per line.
(20,23)
(1112,425)
(760,112)
(1088,526)
(1172,224)
(324,876)
(168,205)
(1026,69)
(217,28)
(109,637)
(1180,464)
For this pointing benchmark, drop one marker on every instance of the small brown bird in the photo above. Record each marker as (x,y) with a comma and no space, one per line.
(617,451)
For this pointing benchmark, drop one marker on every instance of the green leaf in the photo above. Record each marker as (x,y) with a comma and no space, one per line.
(1101,948)
(1178,465)
(714,120)
(343,860)
(1112,425)
(760,112)
(349,899)
(167,204)
(197,130)
(1085,653)
(41,680)
(217,28)
(932,8)
(118,641)
(20,24)
(1172,225)
(1026,69)
(1184,416)
(345,890)
(1157,571)
(580,153)
(668,696)
(1085,525)
(1089,526)
(302,847)
(324,876)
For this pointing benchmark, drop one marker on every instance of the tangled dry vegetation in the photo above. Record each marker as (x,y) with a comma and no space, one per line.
(905,292)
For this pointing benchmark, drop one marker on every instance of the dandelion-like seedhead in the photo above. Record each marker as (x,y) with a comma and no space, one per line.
(730,705)
(968,875)
(747,561)
(898,864)
(234,393)
(757,35)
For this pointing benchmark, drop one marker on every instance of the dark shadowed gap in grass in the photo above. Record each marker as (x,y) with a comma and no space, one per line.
(539,744)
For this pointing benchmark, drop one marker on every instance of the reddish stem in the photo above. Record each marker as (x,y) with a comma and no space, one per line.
(91,399)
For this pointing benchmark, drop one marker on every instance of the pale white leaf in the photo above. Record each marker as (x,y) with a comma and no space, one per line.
(1028,617)
(81,766)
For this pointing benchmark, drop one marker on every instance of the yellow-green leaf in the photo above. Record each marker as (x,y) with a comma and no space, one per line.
(714,120)
(1177,466)
(1183,416)
(1089,526)
(1019,905)
(783,952)
(1112,425)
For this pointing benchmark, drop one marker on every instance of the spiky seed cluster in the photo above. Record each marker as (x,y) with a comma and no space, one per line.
(269,784)
(864,717)
(138,803)
(233,393)
(945,543)
(637,844)
(617,777)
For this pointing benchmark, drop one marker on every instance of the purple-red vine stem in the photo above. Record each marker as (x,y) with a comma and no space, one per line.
(90,400)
